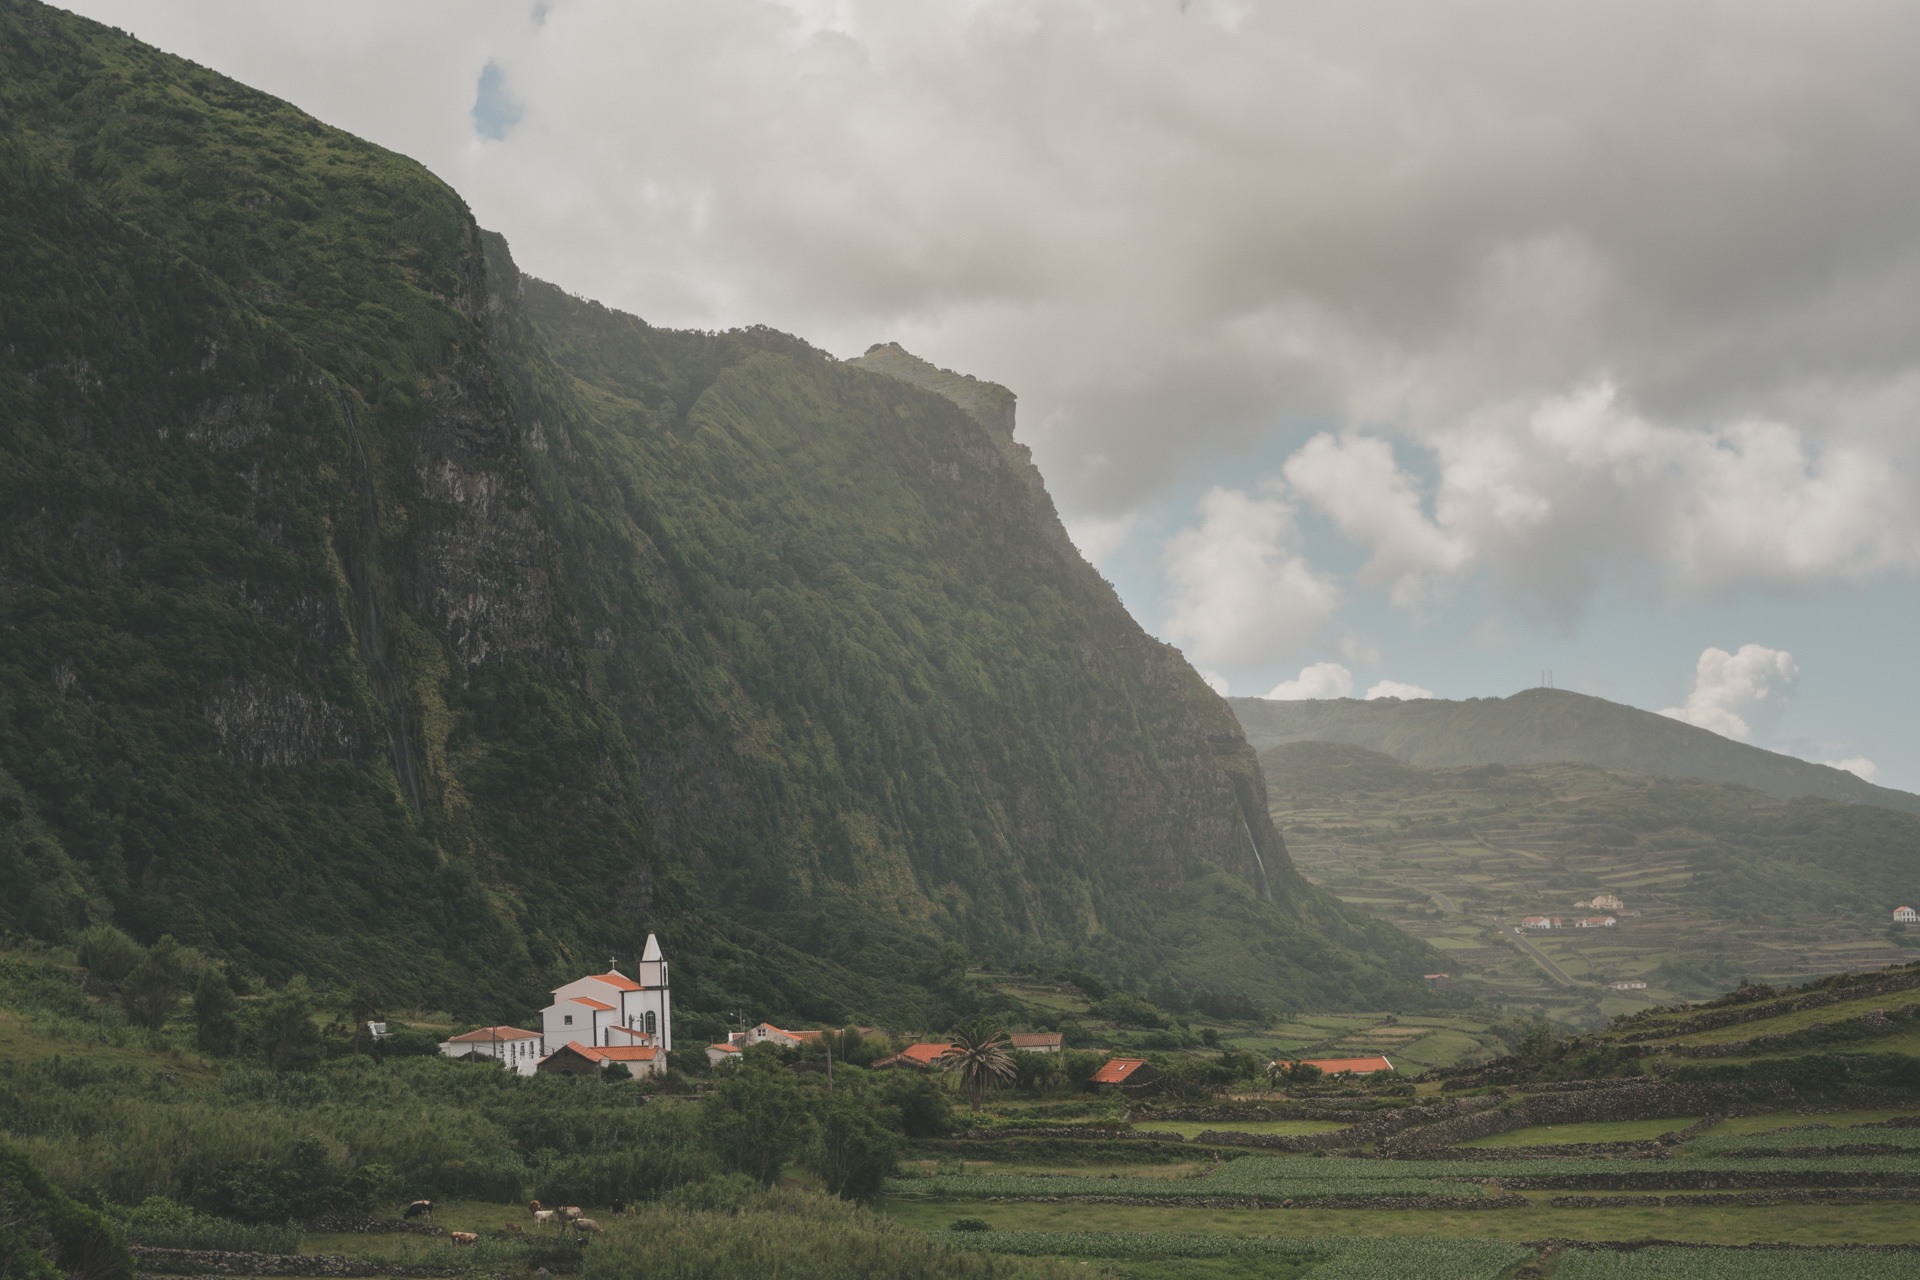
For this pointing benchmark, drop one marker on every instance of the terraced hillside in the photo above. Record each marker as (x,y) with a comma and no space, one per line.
(1718,882)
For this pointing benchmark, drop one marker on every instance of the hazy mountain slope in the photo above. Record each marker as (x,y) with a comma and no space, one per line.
(375,611)
(1549,726)
(1719,881)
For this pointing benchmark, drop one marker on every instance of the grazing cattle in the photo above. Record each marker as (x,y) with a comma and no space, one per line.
(514,1227)
(543,1217)
(464,1237)
(570,1212)
(585,1226)
(419,1209)
(619,1206)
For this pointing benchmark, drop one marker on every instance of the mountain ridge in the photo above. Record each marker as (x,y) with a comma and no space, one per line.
(1551,726)
(378,612)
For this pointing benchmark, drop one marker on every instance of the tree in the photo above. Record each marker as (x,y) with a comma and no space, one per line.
(756,1120)
(363,1003)
(982,1057)
(215,1026)
(851,1151)
(922,1105)
(284,1034)
(149,992)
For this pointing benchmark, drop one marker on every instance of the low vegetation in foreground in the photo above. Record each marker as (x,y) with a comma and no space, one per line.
(1767,1130)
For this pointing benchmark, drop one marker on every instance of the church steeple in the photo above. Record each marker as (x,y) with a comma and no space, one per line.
(653,964)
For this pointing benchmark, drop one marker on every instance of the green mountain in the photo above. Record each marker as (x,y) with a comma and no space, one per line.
(1552,726)
(1717,883)
(372,610)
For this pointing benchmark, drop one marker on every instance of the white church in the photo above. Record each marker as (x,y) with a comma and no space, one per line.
(606,1018)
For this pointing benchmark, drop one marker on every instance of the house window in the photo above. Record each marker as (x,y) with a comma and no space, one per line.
(566,1019)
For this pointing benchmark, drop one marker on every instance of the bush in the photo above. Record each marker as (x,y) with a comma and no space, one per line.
(302,1184)
(925,1110)
(850,1151)
(166,1224)
(216,1029)
(107,954)
(756,1120)
(44,1235)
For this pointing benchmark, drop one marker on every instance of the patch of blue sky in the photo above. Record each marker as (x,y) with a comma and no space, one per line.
(495,110)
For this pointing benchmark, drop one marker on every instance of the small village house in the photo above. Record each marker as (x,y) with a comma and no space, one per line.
(1906,915)
(1131,1076)
(1628,984)
(1595,922)
(1037,1041)
(924,1056)
(1540,922)
(1603,902)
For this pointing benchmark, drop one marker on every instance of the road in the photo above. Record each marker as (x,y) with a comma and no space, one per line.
(1540,958)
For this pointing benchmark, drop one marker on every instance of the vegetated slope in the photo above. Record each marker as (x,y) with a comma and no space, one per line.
(374,611)
(1719,882)
(1551,726)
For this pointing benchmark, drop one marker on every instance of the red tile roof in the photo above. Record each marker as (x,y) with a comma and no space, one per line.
(924,1054)
(1333,1066)
(1118,1070)
(618,981)
(592,1003)
(487,1035)
(586,1051)
(629,1053)
(724,1047)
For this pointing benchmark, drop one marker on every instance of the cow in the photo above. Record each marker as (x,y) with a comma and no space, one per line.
(541,1217)
(619,1206)
(513,1228)
(418,1209)
(585,1226)
(570,1212)
(464,1237)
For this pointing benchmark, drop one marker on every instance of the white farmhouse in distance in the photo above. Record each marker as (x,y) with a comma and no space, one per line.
(519,1050)
(1906,915)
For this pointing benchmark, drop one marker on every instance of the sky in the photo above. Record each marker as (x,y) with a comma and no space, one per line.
(1421,347)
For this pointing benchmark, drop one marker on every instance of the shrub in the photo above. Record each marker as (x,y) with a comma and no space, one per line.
(166,1224)
(107,954)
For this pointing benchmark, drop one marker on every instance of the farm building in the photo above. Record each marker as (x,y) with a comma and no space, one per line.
(1129,1075)
(576,1059)
(1595,922)
(727,1050)
(1628,984)
(1603,902)
(1906,915)
(1037,1041)
(1342,1066)
(510,1046)
(1540,922)
(1438,979)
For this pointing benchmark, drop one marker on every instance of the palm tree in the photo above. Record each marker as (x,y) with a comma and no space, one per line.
(981,1053)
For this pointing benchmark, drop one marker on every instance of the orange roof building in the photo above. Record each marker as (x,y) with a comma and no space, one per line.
(917,1055)
(1129,1075)
(1348,1066)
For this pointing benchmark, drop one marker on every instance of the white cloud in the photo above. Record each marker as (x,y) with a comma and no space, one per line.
(1554,500)
(1321,680)
(1739,694)
(1239,594)
(1575,285)
(1860,765)
(1216,682)
(1397,689)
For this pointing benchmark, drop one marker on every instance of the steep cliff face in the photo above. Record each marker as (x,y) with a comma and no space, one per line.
(372,608)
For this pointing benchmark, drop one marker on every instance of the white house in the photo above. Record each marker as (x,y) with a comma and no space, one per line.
(767,1033)
(1595,922)
(1906,915)
(1628,984)
(1540,922)
(612,1011)
(510,1046)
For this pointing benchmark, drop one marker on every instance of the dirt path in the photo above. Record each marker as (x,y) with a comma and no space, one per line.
(1541,958)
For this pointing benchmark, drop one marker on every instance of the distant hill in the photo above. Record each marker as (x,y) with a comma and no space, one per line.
(1551,726)
(1717,882)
